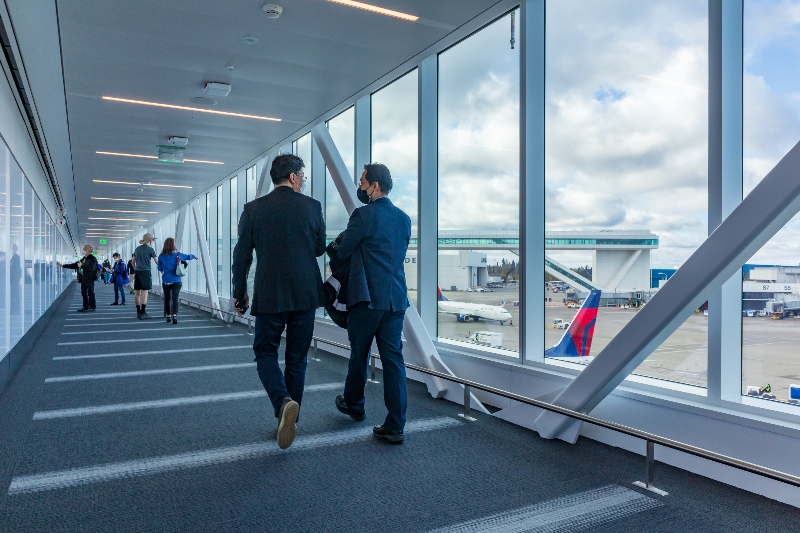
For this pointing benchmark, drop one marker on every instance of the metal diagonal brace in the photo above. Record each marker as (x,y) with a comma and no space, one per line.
(422,351)
(208,268)
(750,226)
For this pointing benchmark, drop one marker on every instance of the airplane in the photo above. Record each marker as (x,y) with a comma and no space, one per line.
(577,340)
(468,311)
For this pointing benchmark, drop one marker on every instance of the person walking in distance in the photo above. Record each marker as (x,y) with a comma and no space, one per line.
(88,275)
(131,273)
(107,272)
(120,279)
(377,235)
(143,281)
(287,231)
(168,262)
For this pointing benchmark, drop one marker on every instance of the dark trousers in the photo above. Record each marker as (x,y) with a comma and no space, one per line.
(299,330)
(119,292)
(171,293)
(386,327)
(87,291)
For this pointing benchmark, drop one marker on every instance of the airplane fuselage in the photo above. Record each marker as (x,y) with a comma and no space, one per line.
(480,311)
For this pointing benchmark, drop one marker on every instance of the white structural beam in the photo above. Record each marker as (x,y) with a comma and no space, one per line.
(567,275)
(264,179)
(205,256)
(363,135)
(423,352)
(725,172)
(180,226)
(774,201)
(428,194)
(531,175)
(615,281)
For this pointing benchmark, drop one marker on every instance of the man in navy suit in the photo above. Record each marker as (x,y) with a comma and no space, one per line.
(287,231)
(376,242)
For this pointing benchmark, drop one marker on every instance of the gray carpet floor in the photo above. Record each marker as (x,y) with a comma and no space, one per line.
(142,452)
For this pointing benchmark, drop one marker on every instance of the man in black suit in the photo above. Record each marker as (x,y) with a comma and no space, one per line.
(287,231)
(376,242)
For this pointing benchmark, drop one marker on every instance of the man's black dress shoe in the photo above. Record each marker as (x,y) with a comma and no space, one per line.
(342,406)
(389,435)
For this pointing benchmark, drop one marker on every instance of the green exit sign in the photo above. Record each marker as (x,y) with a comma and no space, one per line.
(103,241)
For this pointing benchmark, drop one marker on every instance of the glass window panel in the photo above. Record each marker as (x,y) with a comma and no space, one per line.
(6,164)
(250,175)
(218,259)
(342,129)
(234,224)
(28,282)
(394,143)
(302,148)
(479,187)
(626,161)
(771,279)
(17,261)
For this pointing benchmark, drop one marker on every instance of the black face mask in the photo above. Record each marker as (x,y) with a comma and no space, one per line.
(362,195)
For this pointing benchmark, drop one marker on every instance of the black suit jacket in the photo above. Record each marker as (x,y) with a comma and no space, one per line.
(287,231)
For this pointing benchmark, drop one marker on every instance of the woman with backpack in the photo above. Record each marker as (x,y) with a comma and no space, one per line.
(171,277)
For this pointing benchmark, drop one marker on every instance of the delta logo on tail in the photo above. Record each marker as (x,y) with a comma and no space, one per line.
(577,340)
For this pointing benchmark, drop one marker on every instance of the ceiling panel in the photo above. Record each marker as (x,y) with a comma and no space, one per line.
(316,55)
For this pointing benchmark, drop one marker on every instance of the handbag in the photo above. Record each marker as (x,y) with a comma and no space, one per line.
(180,270)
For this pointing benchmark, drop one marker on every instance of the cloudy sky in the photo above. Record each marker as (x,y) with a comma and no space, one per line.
(626,122)
(771,105)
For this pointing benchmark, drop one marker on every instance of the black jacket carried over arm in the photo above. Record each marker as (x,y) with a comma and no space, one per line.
(287,231)
(336,285)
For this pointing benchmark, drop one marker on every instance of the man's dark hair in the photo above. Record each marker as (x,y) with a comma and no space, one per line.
(115,255)
(378,172)
(283,166)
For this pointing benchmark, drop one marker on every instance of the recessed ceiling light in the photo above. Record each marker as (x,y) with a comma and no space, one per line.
(132,200)
(126,219)
(376,9)
(118,211)
(249,40)
(202,100)
(185,108)
(143,184)
(156,157)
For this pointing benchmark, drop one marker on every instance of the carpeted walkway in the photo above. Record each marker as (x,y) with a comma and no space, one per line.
(116,424)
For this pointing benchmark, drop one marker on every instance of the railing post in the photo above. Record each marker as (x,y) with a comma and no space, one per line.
(372,369)
(467,399)
(314,352)
(650,471)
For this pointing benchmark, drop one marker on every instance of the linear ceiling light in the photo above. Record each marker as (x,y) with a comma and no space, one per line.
(118,211)
(156,157)
(197,109)
(376,9)
(144,184)
(132,200)
(125,219)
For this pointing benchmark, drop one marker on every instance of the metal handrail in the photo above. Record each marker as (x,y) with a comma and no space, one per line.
(649,438)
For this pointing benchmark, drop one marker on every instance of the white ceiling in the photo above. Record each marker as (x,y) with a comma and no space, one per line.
(316,55)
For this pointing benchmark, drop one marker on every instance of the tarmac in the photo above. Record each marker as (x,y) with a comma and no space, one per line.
(770,348)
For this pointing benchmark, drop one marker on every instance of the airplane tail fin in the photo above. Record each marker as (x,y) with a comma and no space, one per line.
(441,297)
(577,340)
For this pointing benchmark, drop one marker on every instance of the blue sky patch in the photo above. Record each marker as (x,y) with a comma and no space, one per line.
(607,93)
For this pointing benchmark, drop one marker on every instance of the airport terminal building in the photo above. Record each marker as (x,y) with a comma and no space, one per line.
(655,143)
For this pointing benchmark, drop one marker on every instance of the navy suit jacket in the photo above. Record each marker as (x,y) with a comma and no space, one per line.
(376,241)
(287,231)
